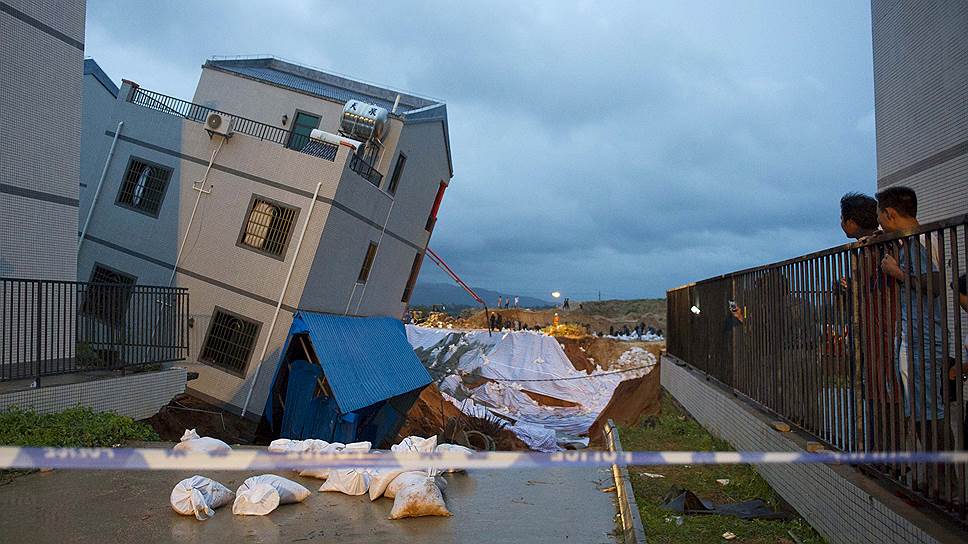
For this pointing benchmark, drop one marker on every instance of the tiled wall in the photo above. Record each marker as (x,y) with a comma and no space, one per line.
(138,396)
(837,508)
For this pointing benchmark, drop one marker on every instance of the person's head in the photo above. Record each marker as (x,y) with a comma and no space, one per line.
(897,208)
(963,291)
(858,214)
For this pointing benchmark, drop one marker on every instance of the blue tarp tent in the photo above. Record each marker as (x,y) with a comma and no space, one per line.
(343,379)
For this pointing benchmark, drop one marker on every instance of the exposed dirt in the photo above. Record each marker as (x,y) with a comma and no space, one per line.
(545,400)
(187,412)
(596,317)
(587,352)
(632,400)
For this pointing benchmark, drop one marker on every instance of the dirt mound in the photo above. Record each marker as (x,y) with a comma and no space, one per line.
(188,412)
(633,399)
(590,352)
(431,413)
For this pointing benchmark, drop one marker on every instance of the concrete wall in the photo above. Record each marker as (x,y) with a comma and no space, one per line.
(840,503)
(41,67)
(96,114)
(138,396)
(921,101)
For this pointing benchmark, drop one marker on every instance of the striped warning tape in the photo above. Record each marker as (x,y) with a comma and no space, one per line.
(260,459)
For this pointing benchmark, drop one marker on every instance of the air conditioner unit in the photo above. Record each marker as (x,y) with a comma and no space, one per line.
(219,123)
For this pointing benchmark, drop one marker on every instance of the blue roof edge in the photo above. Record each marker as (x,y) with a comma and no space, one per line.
(93,68)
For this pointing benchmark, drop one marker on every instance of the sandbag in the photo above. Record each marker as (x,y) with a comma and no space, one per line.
(380,478)
(453,448)
(349,481)
(357,446)
(419,499)
(256,500)
(200,496)
(410,478)
(289,491)
(285,445)
(318,473)
(192,443)
(415,443)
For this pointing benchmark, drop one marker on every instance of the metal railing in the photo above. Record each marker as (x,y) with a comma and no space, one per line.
(198,113)
(58,327)
(365,170)
(851,354)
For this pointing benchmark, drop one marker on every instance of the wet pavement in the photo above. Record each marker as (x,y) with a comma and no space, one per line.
(531,505)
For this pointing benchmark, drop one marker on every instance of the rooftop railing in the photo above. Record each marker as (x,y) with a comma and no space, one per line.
(857,353)
(365,170)
(59,327)
(198,113)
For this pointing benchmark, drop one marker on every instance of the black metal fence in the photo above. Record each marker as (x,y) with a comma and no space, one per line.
(263,131)
(57,327)
(365,170)
(863,355)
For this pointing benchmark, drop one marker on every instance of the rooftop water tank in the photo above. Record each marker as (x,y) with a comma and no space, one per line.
(362,121)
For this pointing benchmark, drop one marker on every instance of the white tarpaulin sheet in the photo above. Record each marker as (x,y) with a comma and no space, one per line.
(516,361)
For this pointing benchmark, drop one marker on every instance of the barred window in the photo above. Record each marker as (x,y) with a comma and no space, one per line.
(229,342)
(267,226)
(367,263)
(107,295)
(144,186)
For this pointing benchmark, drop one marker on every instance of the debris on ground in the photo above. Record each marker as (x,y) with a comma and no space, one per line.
(729,536)
(651,475)
(686,502)
(188,412)
(723,481)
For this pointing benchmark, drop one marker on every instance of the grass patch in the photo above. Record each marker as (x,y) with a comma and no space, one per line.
(73,428)
(675,430)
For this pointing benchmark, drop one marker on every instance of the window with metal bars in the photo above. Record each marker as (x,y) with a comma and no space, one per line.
(367,263)
(107,295)
(414,271)
(229,342)
(143,187)
(268,226)
(397,172)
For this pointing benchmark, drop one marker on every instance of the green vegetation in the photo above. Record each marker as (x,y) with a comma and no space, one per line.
(675,430)
(74,428)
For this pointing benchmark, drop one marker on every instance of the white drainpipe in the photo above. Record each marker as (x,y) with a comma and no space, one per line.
(282,295)
(100,182)
(201,190)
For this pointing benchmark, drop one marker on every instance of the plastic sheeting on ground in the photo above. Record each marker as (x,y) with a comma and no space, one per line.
(515,361)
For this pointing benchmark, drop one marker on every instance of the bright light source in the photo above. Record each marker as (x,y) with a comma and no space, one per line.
(695,310)
(555,294)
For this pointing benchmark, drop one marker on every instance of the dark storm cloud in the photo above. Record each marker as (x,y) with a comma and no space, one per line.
(622,147)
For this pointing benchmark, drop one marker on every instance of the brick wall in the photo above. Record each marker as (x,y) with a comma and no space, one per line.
(833,500)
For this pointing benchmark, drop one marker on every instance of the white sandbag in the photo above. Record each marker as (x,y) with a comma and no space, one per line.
(285,445)
(419,499)
(349,481)
(256,500)
(357,446)
(318,473)
(453,448)
(199,496)
(192,443)
(415,443)
(289,491)
(380,478)
(410,478)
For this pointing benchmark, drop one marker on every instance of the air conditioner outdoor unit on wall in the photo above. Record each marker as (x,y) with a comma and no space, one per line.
(219,123)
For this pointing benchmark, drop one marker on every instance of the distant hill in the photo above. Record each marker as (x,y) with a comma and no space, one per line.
(426,294)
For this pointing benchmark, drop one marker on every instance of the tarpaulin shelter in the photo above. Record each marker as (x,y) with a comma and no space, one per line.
(343,379)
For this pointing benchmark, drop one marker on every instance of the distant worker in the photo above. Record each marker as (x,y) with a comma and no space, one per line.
(500,302)
(565,305)
(556,321)
(507,303)
(493,321)
(517,301)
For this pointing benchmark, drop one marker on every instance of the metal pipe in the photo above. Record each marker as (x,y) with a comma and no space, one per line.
(282,295)
(100,182)
(191,218)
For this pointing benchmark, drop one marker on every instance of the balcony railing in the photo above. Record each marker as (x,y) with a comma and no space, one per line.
(367,172)
(59,327)
(198,113)
(850,354)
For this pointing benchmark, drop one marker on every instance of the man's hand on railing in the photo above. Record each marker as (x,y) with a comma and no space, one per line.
(890,267)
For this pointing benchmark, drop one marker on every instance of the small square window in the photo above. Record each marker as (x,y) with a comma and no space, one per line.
(268,226)
(229,342)
(107,295)
(367,263)
(143,187)
(397,172)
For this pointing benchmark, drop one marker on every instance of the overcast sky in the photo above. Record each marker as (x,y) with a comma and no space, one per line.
(622,147)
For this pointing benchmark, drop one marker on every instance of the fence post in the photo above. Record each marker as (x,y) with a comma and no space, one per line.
(38,346)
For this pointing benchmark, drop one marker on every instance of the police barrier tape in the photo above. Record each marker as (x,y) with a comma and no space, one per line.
(260,459)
